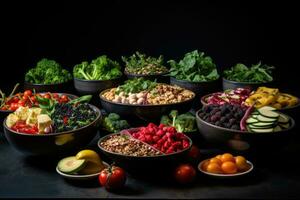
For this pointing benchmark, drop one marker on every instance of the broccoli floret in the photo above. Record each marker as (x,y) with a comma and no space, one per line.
(186,122)
(113,116)
(165,120)
(47,72)
(173,114)
(101,68)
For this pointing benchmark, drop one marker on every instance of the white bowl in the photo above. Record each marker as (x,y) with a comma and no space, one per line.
(79,176)
(225,175)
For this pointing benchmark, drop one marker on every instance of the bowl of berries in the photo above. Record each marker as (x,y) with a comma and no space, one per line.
(145,147)
(244,129)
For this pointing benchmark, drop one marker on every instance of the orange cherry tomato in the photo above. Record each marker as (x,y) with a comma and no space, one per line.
(215,160)
(214,168)
(204,165)
(227,157)
(229,167)
(219,156)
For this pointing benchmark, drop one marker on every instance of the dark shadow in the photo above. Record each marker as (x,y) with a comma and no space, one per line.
(128,190)
(93,183)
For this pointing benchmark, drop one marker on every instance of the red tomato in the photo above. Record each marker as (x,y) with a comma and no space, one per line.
(13,106)
(185,173)
(28,93)
(64,98)
(33,99)
(194,153)
(112,178)
(21,103)
(47,96)
(15,99)
(55,95)
(25,97)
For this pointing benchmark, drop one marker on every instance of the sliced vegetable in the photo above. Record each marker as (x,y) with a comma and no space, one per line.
(268,113)
(71,165)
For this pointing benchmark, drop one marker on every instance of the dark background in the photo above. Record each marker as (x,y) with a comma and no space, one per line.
(228,31)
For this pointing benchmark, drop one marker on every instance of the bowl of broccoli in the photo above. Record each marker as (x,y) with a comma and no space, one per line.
(48,76)
(112,123)
(100,74)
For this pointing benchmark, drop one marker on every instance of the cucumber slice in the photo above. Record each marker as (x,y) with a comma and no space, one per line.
(251,120)
(283,118)
(277,128)
(265,119)
(284,126)
(251,126)
(267,130)
(270,108)
(71,165)
(254,113)
(264,124)
(254,116)
(268,113)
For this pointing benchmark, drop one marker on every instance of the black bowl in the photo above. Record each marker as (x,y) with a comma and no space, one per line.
(137,163)
(94,87)
(227,84)
(243,141)
(151,113)
(53,144)
(56,87)
(160,78)
(199,88)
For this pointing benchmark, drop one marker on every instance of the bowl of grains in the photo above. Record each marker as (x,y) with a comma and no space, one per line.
(134,154)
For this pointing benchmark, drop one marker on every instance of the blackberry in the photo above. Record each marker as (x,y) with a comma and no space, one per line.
(235,127)
(223,119)
(213,118)
(232,121)
(218,123)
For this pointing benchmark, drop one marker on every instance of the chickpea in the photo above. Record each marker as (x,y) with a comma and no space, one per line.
(140,101)
(132,101)
(140,95)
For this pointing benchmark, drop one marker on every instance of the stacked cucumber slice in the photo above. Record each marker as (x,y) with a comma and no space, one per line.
(266,119)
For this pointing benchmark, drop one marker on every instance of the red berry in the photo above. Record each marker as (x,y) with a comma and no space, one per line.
(155,138)
(160,133)
(161,126)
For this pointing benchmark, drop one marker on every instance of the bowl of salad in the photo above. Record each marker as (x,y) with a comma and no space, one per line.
(52,128)
(196,72)
(145,100)
(11,102)
(100,74)
(149,147)
(245,129)
(150,68)
(48,76)
(241,76)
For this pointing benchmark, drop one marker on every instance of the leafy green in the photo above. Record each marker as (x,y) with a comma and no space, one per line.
(113,123)
(183,123)
(47,72)
(101,68)
(136,85)
(194,67)
(139,63)
(256,73)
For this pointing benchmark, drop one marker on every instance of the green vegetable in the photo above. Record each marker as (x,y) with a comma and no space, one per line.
(256,73)
(47,72)
(183,123)
(71,165)
(112,123)
(194,67)
(82,99)
(101,68)
(136,85)
(139,63)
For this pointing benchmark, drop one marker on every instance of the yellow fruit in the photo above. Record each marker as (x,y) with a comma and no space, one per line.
(89,155)
(92,168)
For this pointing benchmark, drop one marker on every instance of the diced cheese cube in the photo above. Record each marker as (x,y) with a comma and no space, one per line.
(11,120)
(32,115)
(22,113)
(43,121)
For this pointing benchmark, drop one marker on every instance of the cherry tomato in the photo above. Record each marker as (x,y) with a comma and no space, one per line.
(229,167)
(112,178)
(204,165)
(64,98)
(13,106)
(55,95)
(25,97)
(219,156)
(227,157)
(214,168)
(21,103)
(215,160)
(15,99)
(33,99)
(185,173)
(47,96)
(241,163)
(194,153)
(28,93)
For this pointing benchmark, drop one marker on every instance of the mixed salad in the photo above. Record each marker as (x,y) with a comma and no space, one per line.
(145,92)
(47,72)
(51,116)
(101,68)
(141,64)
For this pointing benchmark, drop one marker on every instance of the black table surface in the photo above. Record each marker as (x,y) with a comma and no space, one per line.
(276,176)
